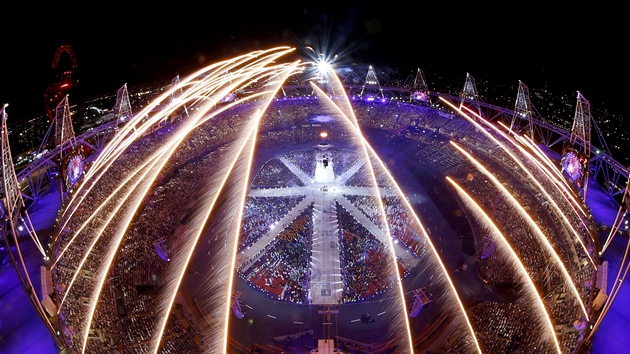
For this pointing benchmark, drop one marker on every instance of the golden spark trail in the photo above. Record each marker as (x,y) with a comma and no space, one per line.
(530,221)
(99,233)
(554,181)
(527,141)
(102,205)
(102,276)
(544,164)
(354,123)
(208,87)
(187,257)
(550,172)
(560,183)
(172,144)
(130,129)
(558,210)
(240,214)
(482,216)
(197,235)
(122,146)
(237,231)
(164,161)
(130,132)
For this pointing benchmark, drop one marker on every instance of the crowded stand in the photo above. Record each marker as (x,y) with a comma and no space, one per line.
(275,174)
(128,307)
(505,327)
(281,270)
(304,160)
(364,260)
(363,178)
(443,160)
(403,227)
(261,214)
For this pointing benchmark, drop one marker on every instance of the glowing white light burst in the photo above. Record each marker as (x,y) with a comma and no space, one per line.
(532,224)
(485,220)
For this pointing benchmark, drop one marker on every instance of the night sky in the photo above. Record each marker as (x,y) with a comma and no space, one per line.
(581,49)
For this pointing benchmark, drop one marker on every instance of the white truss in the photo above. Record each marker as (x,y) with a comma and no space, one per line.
(371,84)
(13,206)
(523,109)
(64,132)
(177,94)
(122,108)
(420,83)
(17,222)
(469,93)
(581,134)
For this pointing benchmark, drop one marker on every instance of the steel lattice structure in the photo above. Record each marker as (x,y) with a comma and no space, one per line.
(31,184)
(613,175)
(523,109)
(17,222)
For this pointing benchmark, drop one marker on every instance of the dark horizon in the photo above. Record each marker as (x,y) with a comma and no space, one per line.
(117,45)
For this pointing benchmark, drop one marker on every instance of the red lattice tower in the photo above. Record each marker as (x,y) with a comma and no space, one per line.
(63,81)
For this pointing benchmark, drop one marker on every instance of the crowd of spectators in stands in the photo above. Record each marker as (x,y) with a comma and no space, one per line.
(261,214)
(440,158)
(364,260)
(401,224)
(128,322)
(275,174)
(281,269)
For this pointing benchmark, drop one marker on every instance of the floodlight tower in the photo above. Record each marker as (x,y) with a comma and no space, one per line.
(122,108)
(420,85)
(176,95)
(469,92)
(65,139)
(523,109)
(580,137)
(371,82)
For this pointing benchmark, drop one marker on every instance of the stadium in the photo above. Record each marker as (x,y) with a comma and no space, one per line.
(264,206)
